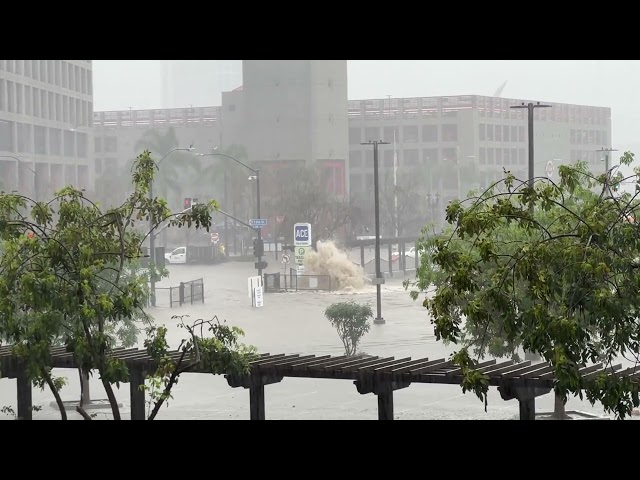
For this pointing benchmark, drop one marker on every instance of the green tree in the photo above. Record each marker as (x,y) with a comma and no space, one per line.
(66,276)
(552,269)
(351,321)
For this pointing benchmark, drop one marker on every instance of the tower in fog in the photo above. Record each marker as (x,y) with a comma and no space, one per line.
(198,82)
(296,111)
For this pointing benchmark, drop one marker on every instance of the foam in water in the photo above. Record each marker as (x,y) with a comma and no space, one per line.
(330,260)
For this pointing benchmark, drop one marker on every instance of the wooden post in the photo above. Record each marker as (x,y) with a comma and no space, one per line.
(256,400)
(136,378)
(527,409)
(25,403)
(385,402)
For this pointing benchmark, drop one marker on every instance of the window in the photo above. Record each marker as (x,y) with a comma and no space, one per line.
(44,107)
(19,102)
(450,132)
(98,166)
(429,133)
(97,141)
(498,133)
(24,138)
(9,66)
(65,109)
(59,108)
(505,133)
(578,137)
(82,145)
(572,137)
(83,176)
(2,103)
(40,140)
(490,156)
(58,68)
(490,132)
(371,133)
(388,134)
(355,136)
(28,101)
(52,71)
(76,70)
(55,141)
(35,70)
(232,107)
(11,98)
(388,158)
(411,157)
(449,154)
(6,136)
(499,159)
(43,71)
(410,134)
(52,106)
(27,68)
(514,156)
(35,96)
(90,84)
(69,144)
(482,132)
(19,67)
(522,159)
(598,137)
(521,134)
(483,156)
(110,144)
(430,155)
(355,182)
(604,138)
(65,74)
(514,133)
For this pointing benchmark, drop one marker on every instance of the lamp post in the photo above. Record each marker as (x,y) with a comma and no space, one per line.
(22,164)
(255,177)
(152,235)
(379,280)
(606,151)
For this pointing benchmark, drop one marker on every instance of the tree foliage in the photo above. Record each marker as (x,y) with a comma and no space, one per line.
(351,321)
(552,268)
(68,276)
(220,354)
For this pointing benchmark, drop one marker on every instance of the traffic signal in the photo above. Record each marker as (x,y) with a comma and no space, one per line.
(194,201)
(258,247)
(187,203)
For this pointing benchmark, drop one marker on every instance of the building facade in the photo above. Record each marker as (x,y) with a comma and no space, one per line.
(472,137)
(46,114)
(198,82)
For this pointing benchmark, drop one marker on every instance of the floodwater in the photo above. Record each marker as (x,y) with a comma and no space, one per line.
(295,323)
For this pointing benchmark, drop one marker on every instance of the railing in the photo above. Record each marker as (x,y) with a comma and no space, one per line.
(185,293)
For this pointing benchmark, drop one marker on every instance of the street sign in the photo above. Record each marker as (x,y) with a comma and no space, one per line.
(285,258)
(194,201)
(549,168)
(279,219)
(302,234)
(258,222)
(300,252)
(215,237)
(259,298)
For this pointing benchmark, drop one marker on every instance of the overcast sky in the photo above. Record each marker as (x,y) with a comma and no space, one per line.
(120,84)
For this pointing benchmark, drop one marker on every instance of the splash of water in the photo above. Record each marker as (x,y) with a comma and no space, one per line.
(330,260)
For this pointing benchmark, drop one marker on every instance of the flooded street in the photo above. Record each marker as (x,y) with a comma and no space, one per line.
(295,323)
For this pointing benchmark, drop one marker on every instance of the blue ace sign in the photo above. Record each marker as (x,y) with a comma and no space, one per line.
(302,234)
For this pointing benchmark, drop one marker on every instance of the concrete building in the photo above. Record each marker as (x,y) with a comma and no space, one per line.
(198,82)
(46,114)
(478,135)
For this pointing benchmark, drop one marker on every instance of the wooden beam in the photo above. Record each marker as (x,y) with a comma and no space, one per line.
(136,395)
(256,400)
(527,409)
(385,401)
(25,402)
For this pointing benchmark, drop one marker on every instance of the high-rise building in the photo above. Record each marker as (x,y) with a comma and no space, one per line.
(198,82)
(46,114)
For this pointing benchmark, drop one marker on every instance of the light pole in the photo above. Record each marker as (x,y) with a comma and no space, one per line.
(606,151)
(255,177)
(530,106)
(22,164)
(152,235)
(379,280)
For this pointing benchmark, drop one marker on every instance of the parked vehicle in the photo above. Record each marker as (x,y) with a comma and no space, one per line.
(179,255)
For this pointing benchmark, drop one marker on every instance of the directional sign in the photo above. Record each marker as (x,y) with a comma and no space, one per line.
(285,258)
(300,252)
(302,234)
(258,222)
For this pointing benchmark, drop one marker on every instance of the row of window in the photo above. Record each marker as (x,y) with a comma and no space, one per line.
(588,156)
(41,103)
(28,138)
(50,176)
(105,163)
(588,137)
(503,156)
(110,144)
(501,133)
(447,132)
(55,72)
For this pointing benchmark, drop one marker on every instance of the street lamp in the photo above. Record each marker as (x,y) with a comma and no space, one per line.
(379,280)
(255,177)
(152,235)
(22,164)
(606,151)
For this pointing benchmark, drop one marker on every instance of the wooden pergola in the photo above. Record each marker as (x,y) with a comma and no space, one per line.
(380,376)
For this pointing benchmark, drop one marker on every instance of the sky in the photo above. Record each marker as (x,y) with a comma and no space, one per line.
(120,84)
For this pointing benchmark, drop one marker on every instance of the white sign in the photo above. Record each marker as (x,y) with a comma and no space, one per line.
(302,235)
(300,252)
(252,283)
(258,297)
(285,258)
(549,168)
(215,237)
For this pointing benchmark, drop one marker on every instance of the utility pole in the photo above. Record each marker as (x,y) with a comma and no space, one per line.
(379,280)
(530,106)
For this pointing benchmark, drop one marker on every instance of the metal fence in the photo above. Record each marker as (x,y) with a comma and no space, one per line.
(280,282)
(186,293)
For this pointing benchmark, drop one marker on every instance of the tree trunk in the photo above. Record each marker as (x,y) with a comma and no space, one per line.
(559,411)
(112,399)
(56,394)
